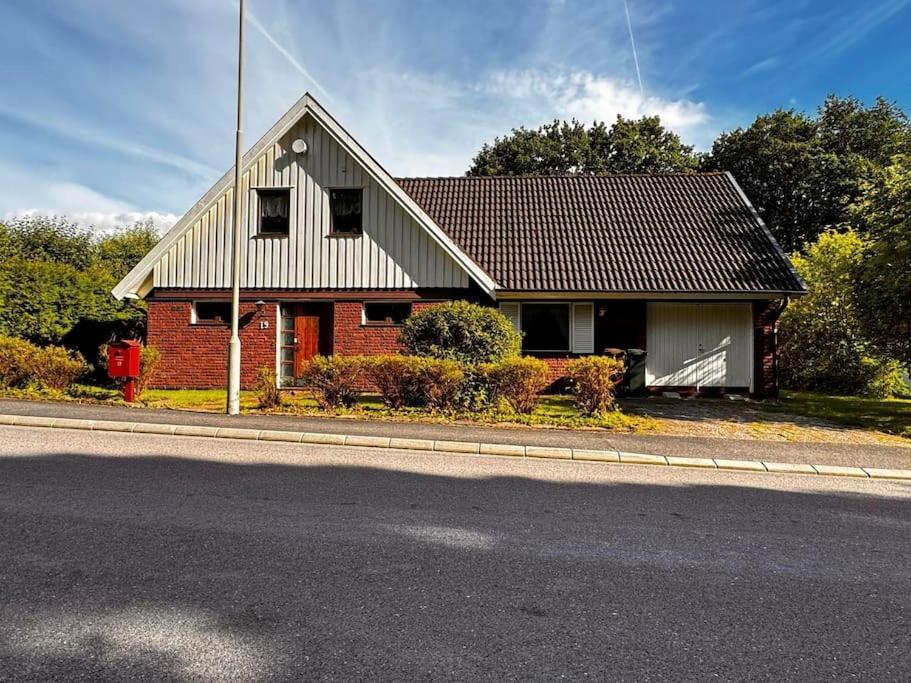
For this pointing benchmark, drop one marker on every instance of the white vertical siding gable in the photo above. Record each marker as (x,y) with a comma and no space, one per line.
(400,248)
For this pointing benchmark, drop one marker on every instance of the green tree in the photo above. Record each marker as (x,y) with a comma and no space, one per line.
(56,280)
(119,251)
(569,148)
(645,146)
(803,173)
(41,301)
(47,238)
(883,294)
(823,345)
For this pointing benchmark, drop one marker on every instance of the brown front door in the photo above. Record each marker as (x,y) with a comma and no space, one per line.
(306,338)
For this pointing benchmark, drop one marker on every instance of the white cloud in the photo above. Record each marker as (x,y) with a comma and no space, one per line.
(430,124)
(29,195)
(588,96)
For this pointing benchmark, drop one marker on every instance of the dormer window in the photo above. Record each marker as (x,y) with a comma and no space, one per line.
(274,211)
(346,206)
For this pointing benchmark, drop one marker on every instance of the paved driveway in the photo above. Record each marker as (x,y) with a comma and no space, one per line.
(131,556)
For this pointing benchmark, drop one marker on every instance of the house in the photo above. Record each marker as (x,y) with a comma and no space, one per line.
(336,254)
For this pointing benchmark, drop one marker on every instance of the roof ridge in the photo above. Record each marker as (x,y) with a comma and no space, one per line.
(567,176)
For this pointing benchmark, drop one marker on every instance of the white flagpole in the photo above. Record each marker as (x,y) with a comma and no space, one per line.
(234,344)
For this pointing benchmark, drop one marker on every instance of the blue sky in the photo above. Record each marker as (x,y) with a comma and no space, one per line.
(116,110)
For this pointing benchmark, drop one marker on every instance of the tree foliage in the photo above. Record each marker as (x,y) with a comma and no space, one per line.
(803,173)
(823,344)
(569,148)
(883,294)
(56,280)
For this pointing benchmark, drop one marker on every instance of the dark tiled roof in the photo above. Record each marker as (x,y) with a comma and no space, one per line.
(633,233)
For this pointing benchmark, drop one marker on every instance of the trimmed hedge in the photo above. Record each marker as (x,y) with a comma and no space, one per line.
(396,378)
(333,380)
(518,381)
(23,364)
(414,381)
(441,381)
(593,383)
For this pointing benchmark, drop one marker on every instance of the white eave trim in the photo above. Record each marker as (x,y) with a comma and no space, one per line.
(306,104)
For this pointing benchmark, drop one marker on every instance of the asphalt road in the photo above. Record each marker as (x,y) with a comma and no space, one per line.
(147,557)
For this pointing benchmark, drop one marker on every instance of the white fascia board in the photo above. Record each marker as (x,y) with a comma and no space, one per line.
(306,104)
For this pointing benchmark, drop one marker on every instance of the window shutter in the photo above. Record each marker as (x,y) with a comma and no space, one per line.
(584,328)
(511,311)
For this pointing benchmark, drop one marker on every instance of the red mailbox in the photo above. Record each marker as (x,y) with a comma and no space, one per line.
(123,361)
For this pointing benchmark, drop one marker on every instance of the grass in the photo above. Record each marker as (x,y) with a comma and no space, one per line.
(892,415)
(552,411)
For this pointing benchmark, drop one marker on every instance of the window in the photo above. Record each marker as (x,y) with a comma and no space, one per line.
(212,312)
(385,313)
(345,207)
(274,205)
(546,327)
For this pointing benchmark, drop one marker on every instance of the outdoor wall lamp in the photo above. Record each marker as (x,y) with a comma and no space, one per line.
(260,307)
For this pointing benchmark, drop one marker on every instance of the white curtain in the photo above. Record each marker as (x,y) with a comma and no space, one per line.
(274,206)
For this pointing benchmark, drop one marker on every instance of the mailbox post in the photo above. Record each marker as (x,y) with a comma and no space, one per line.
(123,361)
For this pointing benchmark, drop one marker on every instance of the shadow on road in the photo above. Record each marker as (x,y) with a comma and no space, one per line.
(171,568)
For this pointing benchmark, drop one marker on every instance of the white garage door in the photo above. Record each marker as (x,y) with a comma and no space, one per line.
(699,345)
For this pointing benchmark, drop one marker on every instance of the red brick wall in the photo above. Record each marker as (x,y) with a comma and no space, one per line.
(351,338)
(765,363)
(196,356)
(556,363)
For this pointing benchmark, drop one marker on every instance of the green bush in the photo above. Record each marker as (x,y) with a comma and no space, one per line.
(441,380)
(885,378)
(266,387)
(23,363)
(57,368)
(333,380)
(17,359)
(593,382)
(518,381)
(396,378)
(458,330)
(414,381)
(149,360)
(823,343)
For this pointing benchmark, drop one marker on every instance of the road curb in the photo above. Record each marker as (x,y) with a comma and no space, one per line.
(459,447)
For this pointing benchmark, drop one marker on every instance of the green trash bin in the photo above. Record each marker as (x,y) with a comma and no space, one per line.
(635,372)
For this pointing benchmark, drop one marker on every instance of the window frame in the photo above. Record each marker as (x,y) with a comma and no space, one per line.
(365,322)
(569,336)
(207,322)
(332,230)
(259,211)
